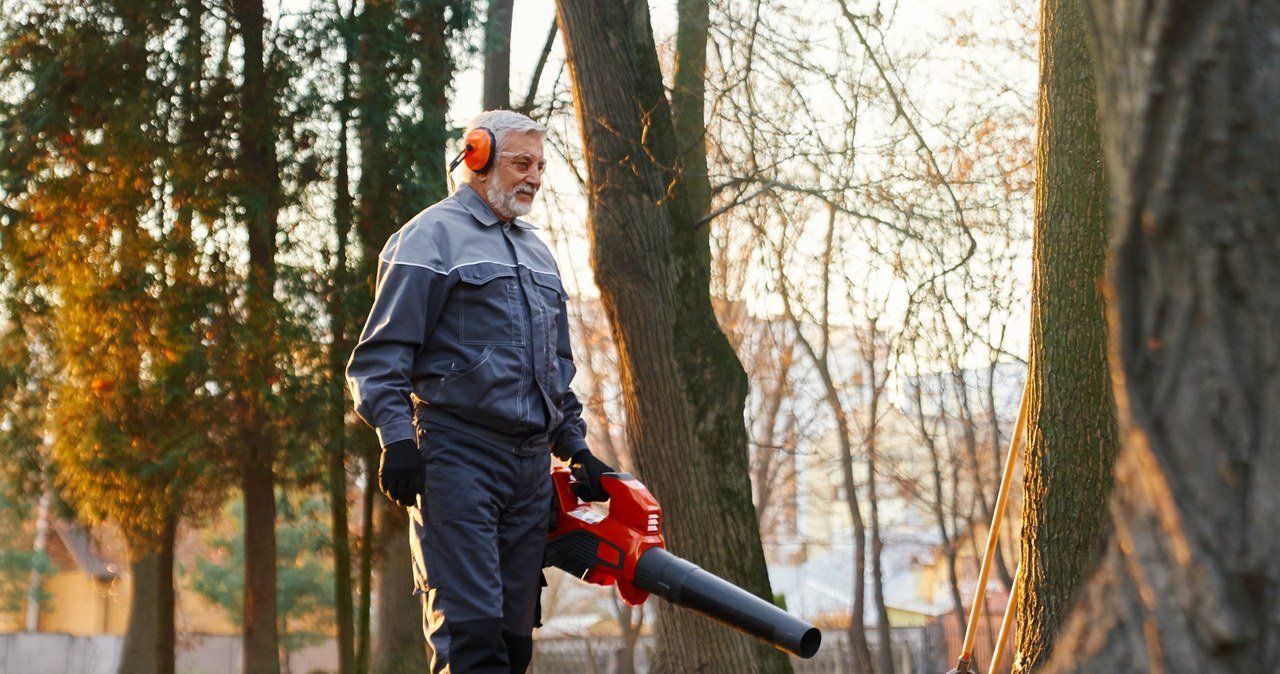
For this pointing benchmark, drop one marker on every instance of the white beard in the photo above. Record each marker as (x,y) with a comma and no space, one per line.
(504,201)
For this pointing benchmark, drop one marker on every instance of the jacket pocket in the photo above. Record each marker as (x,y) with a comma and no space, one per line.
(551,298)
(460,372)
(488,309)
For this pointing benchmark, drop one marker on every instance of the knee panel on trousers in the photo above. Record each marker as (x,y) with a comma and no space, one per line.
(519,652)
(477,647)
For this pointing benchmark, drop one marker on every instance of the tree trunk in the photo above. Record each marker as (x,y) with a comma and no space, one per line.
(497,55)
(258,168)
(1071,441)
(364,637)
(435,75)
(394,648)
(685,389)
(1191,123)
(150,643)
(339,348)
(400,646)
(884,644)
(859,647)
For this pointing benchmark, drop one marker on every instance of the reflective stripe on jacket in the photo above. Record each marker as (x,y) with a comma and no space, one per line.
(469,323)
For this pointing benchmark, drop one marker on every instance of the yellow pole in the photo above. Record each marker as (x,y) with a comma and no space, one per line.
(993,535)
(1005,624)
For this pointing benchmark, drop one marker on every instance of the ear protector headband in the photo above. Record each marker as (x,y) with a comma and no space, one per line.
(477,150)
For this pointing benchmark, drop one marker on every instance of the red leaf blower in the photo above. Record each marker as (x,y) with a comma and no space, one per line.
(624,547)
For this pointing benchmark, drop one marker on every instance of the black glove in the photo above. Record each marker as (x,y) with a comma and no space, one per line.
(401,472)
(587,470)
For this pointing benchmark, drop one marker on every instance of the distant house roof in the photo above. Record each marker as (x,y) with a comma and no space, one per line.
(72,546)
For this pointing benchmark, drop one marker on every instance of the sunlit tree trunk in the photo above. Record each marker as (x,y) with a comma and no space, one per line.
(684,387)
(1191,122)
(1071,439)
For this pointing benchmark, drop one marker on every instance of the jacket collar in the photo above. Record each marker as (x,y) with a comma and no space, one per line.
(470,200)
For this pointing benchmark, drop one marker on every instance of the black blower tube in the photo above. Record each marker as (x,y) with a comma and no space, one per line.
(684,583)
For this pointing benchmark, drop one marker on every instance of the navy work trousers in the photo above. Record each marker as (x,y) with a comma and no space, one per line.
(477,538)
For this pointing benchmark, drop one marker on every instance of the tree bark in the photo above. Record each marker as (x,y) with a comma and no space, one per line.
(859,646)
(340,319)
(877,380)
(394,648)
(400,646)
(685,389)
(497,55)
(150,640)
(1071,442)
(259,170)
(1190,100)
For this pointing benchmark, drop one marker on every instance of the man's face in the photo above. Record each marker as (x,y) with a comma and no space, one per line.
(516,175)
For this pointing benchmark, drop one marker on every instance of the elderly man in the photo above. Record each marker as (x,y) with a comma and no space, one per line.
(463,369)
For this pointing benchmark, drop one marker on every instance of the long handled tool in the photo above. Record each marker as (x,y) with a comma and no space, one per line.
(998,654)
(993,537)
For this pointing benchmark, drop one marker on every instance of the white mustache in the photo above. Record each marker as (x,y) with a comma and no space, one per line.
(525,189)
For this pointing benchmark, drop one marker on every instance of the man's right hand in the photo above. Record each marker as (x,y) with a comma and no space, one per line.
(587,470)
(401,472)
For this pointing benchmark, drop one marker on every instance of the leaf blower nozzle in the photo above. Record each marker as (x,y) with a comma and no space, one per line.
(624,547)
(684,583)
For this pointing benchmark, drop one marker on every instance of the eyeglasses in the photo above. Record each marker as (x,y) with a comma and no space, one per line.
(524,162)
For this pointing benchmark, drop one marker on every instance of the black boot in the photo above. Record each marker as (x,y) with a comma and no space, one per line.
(477,647)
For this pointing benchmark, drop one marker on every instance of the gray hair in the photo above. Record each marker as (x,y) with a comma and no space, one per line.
(501,123)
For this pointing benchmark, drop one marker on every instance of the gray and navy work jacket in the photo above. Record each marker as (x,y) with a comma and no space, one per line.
(468,329)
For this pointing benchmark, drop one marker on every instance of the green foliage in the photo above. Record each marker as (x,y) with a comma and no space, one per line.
(15,575)
(23,464)
(304,589)
(18,556)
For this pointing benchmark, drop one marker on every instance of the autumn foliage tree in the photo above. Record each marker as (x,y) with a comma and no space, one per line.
(117,300)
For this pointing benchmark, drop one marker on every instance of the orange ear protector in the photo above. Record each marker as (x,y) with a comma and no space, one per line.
(477,150)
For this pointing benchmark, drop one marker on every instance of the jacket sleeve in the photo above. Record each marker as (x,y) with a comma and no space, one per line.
(406,304)
(570,437)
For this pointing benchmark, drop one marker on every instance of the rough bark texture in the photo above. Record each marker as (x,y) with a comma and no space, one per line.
(1071,428)
(1190,101)
(685,387)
